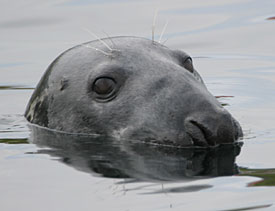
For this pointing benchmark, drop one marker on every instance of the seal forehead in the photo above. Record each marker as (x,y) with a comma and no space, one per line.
(114,46)
(128,52)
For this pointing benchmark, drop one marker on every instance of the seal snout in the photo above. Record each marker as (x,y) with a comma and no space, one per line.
(212,129)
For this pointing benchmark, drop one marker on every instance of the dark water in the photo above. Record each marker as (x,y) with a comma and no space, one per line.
(232,44)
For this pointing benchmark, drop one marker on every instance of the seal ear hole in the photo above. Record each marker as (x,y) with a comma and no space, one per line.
(64,83)
(188,64)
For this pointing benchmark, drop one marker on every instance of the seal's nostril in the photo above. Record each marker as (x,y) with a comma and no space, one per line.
(196,133)
(207,133)
(218,128)
(226,133)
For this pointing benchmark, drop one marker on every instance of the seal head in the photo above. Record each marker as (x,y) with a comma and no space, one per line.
(139,90)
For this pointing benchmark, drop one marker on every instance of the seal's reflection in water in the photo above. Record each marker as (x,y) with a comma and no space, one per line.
(131,159)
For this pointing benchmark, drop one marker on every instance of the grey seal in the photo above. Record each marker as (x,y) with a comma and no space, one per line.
(138,89)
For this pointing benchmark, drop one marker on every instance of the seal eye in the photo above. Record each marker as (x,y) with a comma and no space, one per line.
(104,86)
(188,64)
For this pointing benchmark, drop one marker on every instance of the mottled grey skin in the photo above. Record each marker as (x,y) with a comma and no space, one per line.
(155,99)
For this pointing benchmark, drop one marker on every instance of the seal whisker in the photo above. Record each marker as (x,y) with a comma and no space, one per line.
(98,38)
(164,41)
(101,51)
(154,25)
(163,30)
(107,35)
